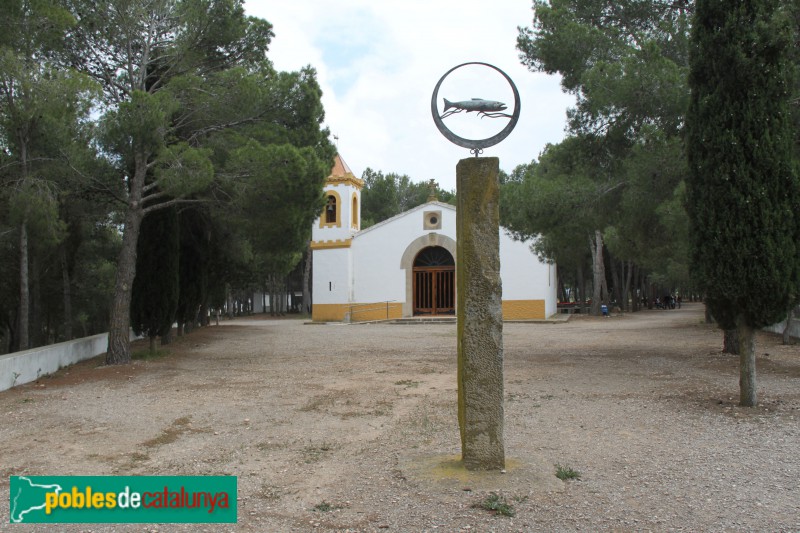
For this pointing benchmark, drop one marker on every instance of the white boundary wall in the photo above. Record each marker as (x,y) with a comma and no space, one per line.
(29,365)
(779,327)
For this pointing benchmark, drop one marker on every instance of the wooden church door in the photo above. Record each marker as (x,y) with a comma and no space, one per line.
(434,282)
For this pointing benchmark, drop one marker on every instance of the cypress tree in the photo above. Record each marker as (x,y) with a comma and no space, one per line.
(194,260)
(154,298)
(743,195)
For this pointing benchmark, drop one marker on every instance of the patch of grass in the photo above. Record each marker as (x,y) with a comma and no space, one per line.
(329,400)
(324,507)
(565,473)
(270,445)
(497,504)
(409,384)
(271,493)
(314,453)
(169,435)
(145,355)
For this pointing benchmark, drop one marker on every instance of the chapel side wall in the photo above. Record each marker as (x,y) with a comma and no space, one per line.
(331,284)
(552,291)
(528,284)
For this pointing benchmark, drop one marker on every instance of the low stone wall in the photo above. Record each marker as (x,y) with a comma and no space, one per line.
(779,327)
(29,365)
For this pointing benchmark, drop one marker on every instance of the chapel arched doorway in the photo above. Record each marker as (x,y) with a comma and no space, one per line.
(434,282)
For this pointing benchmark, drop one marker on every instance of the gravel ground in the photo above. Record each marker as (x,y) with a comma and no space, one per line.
(353,428)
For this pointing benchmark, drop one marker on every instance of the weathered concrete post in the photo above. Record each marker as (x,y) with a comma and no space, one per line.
(480,317)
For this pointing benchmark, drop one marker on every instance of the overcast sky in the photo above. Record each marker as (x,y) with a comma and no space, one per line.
(379,61)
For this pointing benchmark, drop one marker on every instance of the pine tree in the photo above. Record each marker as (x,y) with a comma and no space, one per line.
(743,194)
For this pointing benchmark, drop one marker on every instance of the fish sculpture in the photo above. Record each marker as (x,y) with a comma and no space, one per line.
(484,108)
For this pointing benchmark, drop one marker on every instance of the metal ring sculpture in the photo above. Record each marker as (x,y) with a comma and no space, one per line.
(476,146)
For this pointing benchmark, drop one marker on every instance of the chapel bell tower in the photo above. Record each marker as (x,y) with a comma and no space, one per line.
(341,216)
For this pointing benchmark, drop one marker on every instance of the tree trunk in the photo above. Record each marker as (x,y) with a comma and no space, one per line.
(119,342)
(562,290)
(598,271)
(730,341)
(626,288)
(307,280)
(67,294)
(24,289)
(203,318)
(616,279)
(708,318)
(787,338)
(36,335)
(119,350)
(273,304)
(581,298)
(747,365)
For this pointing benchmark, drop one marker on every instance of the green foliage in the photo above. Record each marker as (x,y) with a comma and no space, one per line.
(194,263)
(147,355)
(626,62)
(744,195)
(33,203)
(44,111)
(563,198)
(138,125)
(155,287)
(385,196)
(281,197)
(325,507)
(34,27)
(93,269)
(498,504)
(184,170)
(565,473)
(627,65)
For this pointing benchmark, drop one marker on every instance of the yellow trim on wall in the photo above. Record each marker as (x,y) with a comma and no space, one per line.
(375,311)
(328,312)
(338,223)
(360,312)
(347,179)
(339,243)
(354,212)
(523,309)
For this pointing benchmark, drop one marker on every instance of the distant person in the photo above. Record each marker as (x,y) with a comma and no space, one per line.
(604,310)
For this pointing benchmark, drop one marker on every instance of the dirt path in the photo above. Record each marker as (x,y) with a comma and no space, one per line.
(363,419)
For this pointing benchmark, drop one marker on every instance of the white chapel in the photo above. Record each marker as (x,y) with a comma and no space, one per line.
(405,266)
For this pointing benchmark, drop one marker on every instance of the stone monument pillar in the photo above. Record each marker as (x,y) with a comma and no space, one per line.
(480,315)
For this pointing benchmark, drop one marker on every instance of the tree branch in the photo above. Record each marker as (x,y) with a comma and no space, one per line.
(174,201)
